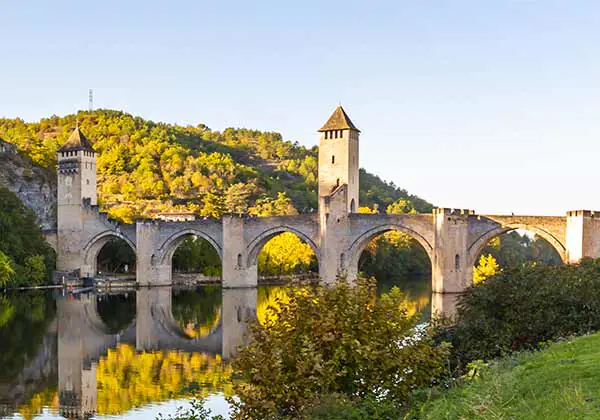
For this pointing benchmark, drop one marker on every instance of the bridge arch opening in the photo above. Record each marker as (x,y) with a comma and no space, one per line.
(117,311)
(283,251)
(512,246)
(109,254)
(198,312)
(193,254)
(396,256)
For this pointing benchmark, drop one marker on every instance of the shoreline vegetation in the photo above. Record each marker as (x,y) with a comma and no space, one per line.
(522,345)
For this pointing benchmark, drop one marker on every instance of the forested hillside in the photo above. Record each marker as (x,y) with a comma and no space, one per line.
(146,167)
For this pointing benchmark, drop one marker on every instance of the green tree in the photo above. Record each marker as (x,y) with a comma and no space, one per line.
(236,198)
(328,340)
(7,272)
(22,242)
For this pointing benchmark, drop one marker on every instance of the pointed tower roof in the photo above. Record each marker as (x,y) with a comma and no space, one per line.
(339,120)
(76,141)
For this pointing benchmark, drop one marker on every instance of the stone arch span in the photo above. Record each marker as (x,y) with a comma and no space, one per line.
(94,245)
(257,244)
(478,244)
(171,244)
(359,244)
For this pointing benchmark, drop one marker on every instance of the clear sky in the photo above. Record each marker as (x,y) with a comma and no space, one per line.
(487,105)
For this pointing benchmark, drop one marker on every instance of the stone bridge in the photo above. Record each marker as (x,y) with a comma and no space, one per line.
(336,232)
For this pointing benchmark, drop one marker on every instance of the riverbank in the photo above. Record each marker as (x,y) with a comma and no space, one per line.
(559,382)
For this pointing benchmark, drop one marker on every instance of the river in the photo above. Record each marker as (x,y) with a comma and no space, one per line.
(130,354)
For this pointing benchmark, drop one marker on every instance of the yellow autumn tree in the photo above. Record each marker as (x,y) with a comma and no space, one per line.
(487,266)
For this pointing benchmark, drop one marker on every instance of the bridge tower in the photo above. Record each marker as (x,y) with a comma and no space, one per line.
(76,183)
(338,157)
(338,191)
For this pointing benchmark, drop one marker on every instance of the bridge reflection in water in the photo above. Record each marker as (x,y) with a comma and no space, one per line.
(108,353)
(84,338)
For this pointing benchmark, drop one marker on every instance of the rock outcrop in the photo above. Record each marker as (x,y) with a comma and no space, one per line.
(34,185)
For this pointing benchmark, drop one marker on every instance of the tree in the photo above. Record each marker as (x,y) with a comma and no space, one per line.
(7,272)
(284,254)
(328,340)
(487,267)
(401,206)
(236,198)
(213,206)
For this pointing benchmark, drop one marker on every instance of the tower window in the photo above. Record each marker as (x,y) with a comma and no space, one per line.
(332,159)
(457,262)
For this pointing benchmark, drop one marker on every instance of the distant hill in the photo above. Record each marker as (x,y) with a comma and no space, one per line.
(146,167)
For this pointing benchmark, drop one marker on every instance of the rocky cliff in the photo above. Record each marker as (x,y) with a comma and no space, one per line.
(34,185)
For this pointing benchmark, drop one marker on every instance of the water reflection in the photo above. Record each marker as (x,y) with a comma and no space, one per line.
(106,354)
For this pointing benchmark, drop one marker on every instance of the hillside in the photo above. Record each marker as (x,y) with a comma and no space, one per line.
(146,167)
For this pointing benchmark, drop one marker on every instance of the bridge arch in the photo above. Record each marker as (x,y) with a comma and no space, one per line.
(351,258)
(479,244)
(257,244)
(94,245)
(171,244)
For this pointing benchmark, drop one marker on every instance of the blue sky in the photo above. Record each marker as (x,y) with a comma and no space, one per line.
(487,105)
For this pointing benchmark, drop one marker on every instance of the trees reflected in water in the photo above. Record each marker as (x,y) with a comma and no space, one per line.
(198,312)
(24,320)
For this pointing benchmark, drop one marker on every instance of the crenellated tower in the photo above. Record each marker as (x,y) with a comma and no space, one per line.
(76,183)
(338,157)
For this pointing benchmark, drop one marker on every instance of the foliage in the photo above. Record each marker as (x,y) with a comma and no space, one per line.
(486,267)
(25,257)
(7,271)
(337,407)
(519,308)
(197,255)
(513,249)
(24,319)
(127,379)
(196,411)
(337,339)
(145,167)
(48,397)
(560,382)
(286,253)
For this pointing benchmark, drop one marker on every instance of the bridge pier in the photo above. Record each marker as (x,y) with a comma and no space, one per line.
(451,269)
(335,260)
(238,270)
(239,308)
(582,235)
(150,269)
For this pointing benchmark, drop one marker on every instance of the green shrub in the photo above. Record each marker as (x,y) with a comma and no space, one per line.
(340,408)
(323,340)
(520,308)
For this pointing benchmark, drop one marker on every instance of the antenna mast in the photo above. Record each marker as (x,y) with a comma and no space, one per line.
(91,100)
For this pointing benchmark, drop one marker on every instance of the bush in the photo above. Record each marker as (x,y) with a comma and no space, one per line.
(340,408)
(327,340)
(520,308)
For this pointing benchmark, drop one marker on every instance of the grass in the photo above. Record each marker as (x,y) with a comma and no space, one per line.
(559,382)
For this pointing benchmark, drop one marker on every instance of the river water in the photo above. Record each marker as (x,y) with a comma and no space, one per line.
(129,354)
